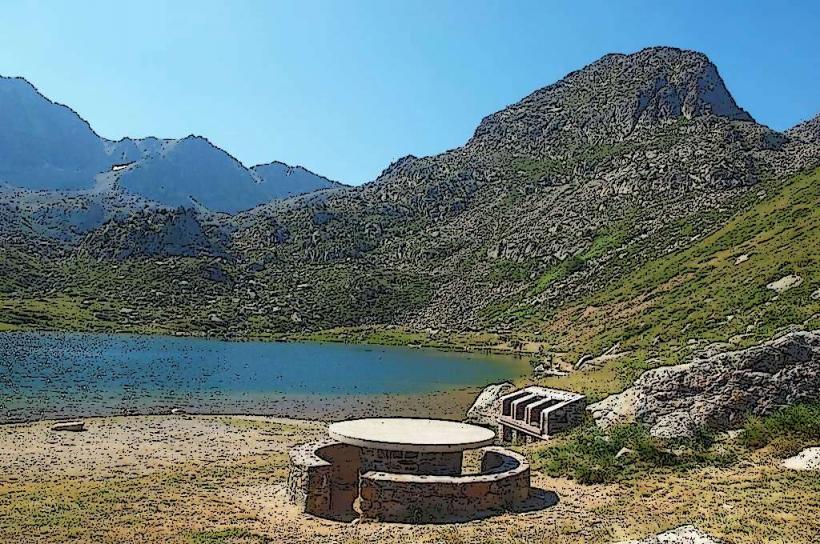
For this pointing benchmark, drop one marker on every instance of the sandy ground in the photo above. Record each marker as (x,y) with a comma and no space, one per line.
(140,445)
(211,479)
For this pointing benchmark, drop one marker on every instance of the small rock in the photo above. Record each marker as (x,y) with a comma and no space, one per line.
(553,372)
(742,258)
(623,452)
(584,359)
(686,534)
(71,426)
(785,283)
(808,459)
(487,406)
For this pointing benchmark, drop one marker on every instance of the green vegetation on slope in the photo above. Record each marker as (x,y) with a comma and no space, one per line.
(627,452)
(713,291)
(787,430)
(592,456)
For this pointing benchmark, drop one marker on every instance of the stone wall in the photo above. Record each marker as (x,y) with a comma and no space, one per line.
(503,483)
(324,479)
(411,462)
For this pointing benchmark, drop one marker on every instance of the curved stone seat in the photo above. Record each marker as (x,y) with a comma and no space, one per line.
(504,481)
(324,478)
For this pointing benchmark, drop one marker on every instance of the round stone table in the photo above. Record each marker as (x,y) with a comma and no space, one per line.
(411,446)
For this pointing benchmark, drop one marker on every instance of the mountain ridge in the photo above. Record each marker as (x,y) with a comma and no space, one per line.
(553,198)
(48,145)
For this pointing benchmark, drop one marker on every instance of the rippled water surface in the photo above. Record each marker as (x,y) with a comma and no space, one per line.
(46,375)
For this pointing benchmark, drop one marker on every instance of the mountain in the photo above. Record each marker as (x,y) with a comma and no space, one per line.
(565,218)
(283,181)
(48,146)
(44,145)
(617,155)
(177,232)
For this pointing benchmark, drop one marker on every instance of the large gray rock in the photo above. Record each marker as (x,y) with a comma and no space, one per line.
(487,406)
(685,534)
(719,391)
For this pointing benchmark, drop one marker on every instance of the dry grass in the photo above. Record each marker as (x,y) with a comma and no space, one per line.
(219,493)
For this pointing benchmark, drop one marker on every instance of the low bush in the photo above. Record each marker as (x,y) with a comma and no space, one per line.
(786,430)
(590,456)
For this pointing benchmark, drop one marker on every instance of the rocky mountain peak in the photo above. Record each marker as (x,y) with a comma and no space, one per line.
(613,97)
(47,146)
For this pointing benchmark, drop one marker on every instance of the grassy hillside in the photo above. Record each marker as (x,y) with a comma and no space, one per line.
(713,291)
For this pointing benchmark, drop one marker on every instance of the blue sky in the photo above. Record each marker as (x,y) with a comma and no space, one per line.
(344,88)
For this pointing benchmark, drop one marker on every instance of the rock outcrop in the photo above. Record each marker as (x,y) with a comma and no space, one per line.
(180,232)
(721,391)
(487,406)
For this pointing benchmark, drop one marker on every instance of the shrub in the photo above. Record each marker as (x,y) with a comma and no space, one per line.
(787,429)
(589,455)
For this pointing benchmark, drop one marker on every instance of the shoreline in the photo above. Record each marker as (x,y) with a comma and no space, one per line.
(373,335)
(181,416)
(450,404)
(180,478)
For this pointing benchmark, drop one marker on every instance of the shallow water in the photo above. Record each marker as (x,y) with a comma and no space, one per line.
(50,375)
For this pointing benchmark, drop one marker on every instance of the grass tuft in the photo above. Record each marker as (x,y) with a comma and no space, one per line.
(786,430)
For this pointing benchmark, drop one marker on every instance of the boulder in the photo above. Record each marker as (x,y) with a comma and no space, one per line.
(487,406)
(685,534)
(582,360)
(808,459)
(719,391)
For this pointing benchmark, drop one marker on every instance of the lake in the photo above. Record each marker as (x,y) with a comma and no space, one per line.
(52,375)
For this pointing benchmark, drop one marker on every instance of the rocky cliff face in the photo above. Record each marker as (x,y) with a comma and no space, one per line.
(609,100)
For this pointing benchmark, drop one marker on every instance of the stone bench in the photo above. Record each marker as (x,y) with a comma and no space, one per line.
(324,478)
(504,481)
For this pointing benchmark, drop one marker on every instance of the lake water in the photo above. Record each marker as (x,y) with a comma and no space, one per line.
(49,375)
